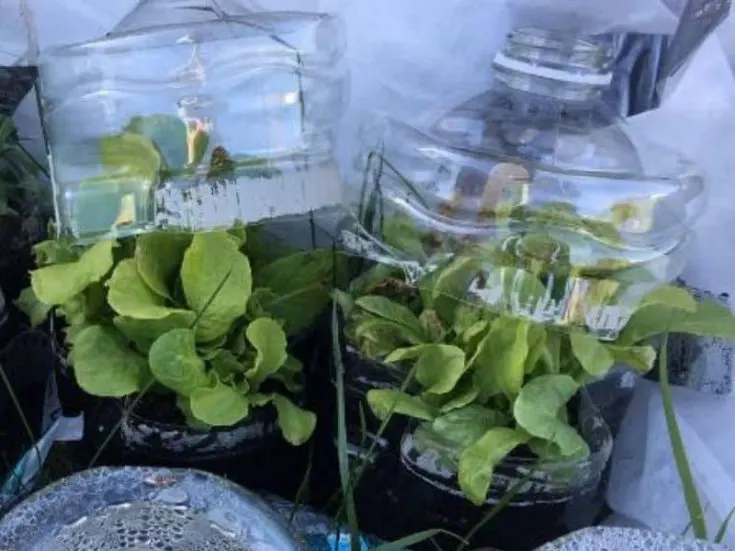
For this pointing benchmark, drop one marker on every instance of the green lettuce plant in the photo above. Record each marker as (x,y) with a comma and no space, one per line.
(483,384)
(204,316)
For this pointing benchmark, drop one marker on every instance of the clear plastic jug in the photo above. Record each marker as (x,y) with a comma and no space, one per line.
(193,114)
(536,191)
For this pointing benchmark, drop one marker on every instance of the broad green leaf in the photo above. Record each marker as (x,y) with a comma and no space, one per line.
(465,426)
(465,317)
(475,330)
(58,284)
(297,309)
(536,346)
(217,283)
(477,462)
(144,332)
(393,312)
(29,304)
(197,141)
(297,425)
(440,367)
(639,358)
(593,356)
(455,279)
(132,155)
(269,341)
(500,360)
(296,271)
(158,257)
(384,402)
(175,364)
(345,301)
(463,395)
(401,233)
(383,330)
(709,319)
(218,406)
(104,365)
(672,297)
(551,353)
(406,354)
(536,410)
(518,288)
(169,134)
(129,296)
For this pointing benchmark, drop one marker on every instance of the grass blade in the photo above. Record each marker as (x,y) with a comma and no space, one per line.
(691,496)
(722,532)
(348,497)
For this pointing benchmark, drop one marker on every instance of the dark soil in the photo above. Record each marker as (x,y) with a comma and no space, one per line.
(15,83)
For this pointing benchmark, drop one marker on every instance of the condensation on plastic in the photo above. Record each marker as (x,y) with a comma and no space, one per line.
(534,193)
(232,113)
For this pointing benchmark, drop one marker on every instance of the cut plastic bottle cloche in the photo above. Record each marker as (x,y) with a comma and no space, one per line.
(193,115)
(572,218)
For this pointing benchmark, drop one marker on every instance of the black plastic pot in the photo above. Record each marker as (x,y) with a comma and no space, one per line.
(409,492)
(252,453)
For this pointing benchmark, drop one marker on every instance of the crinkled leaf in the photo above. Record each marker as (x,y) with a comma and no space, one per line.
(218,406)
(297,425)
(383,402)
(500,360)
(144,332)
(129,296)
(477,462)
(225,364)
(58,284)
(29,304)
(269,340)
(396,313)
(639,358)
(211,259)
(54,251)
(158,257)
(592,355)
(536,410)
(104,365)
(175,364)
(440,367)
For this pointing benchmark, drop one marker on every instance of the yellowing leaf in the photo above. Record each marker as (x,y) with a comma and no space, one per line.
(269,341)
(537,408)
(129,296)
(174,362)
(384,402)
(500,360)
(593,356)
(217,283)
(58,284)
(219,406)
(158,257)
(297,425)
(477,462)
(104,365)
